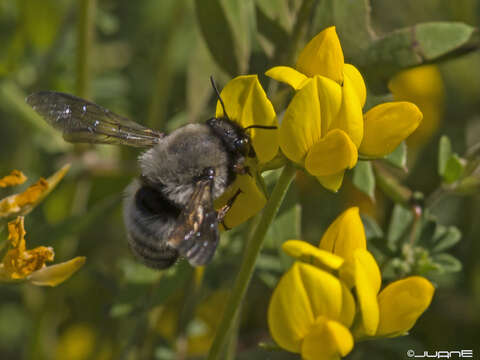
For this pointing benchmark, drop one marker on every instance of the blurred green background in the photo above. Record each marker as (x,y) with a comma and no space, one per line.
(151,60)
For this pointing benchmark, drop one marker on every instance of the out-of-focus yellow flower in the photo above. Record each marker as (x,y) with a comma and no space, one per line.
(22,264)
(324,128)
(310,312)
(14,178)
(424,86)
(77,342)
(342,252)
(247,104)
(21,204)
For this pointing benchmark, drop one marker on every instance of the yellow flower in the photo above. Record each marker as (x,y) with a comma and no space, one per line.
(247,104)
(15,178)
(394,310)
(310,312)
(22,264)
(424,86)
(21,204)
(324,128)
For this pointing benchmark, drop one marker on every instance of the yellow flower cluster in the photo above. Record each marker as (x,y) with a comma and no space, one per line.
(313,311)
(324,128)
(18,263)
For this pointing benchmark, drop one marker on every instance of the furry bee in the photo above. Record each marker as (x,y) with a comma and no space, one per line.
(168,211)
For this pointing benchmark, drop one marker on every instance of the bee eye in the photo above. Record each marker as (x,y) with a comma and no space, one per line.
(242,145)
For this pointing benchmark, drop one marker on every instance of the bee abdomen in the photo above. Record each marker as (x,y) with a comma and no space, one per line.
(150,218)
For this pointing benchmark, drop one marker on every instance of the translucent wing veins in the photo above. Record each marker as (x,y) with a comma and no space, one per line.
(83,121)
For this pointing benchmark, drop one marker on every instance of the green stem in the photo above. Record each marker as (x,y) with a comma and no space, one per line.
(84,46)
(253,248)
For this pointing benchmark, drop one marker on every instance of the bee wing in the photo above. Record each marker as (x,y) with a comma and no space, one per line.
(196,233)
(83,121)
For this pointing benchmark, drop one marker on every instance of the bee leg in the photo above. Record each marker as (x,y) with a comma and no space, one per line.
(224,209)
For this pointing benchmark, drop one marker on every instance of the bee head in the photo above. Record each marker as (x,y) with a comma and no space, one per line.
(233,136)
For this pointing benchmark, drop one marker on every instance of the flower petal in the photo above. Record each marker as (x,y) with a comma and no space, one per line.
(301,124)
(401,304)
(287,75)
(247,104)
(332,182)
(303,251)
(23,203)
(348,307)
(327,340)
(350,116)
(303,294)
(14,178)
(323,55)
(387,125)
(345,234)
(356,79)
(333,153)
(367,283)
(56,274)
(248,202)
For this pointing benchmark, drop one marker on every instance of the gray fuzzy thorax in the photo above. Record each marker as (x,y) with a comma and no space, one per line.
(181,158)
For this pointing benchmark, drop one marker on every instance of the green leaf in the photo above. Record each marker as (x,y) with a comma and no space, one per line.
(364,179)
(218,34)
(372,229)
(444,153)
(399,226)
(453,169)
(137,273)
(398,157)
(352,20)
(446,238)
(413,46)
(447,262)
(270,27)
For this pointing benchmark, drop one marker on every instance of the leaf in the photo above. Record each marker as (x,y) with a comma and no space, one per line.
(217,32)
(400,223)
(372,229)
(453,169)
(270,28)
(444,154)
(413,46)
(398,157)
(447,262)
(364,179)
(449,237)
(352,19)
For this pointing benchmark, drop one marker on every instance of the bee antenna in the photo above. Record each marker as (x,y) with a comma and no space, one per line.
(261,127)
(218,96)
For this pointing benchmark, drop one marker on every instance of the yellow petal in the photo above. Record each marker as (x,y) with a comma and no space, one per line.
(288,75)
(348,307)
(330,96)
(401,304)
(56,274)
(387,125)
(248,203)
(301,124)
(350,116)
(323,55)
(367,283)
(332,182)
(333,153)
(303,294)
(356,78)
(303,251)
(19,262)
(247,104)
(23,203)
(14,178)
(345,234)
(327,340)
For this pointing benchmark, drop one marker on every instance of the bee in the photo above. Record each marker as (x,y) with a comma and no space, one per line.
(168,211)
